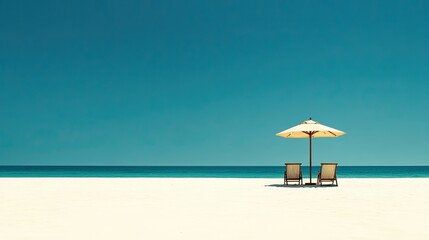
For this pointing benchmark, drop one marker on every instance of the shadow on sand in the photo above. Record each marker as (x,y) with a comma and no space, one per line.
(299,186)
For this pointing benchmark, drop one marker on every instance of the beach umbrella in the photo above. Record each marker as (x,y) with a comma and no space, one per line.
(310,129)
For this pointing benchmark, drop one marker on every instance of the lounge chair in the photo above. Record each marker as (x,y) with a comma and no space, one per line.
(293,173)
(327,173)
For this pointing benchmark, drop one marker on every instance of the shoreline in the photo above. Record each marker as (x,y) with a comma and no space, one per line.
(206,172)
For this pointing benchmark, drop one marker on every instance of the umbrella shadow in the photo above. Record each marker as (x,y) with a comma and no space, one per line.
(299,186)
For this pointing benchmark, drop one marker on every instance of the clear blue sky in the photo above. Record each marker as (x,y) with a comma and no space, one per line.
(212,82)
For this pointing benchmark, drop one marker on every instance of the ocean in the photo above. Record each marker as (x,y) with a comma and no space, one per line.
(207,171)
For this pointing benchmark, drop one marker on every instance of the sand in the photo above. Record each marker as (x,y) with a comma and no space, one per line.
(207,208)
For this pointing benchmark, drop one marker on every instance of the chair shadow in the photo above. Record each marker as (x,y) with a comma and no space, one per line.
(299,186)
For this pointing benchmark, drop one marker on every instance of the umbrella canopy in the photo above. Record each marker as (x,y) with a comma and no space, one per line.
(310,129)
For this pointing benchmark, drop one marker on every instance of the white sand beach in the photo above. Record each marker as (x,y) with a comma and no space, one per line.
(206,208)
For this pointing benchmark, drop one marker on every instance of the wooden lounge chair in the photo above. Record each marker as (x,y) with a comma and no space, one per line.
(327,173)
(293,173)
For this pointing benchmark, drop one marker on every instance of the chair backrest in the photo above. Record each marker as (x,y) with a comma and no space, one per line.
(293,170)
(328,170)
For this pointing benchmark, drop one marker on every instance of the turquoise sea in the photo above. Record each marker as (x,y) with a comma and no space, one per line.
(207,171)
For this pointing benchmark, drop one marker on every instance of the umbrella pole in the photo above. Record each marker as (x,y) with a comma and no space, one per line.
(310,135)
(310,157)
